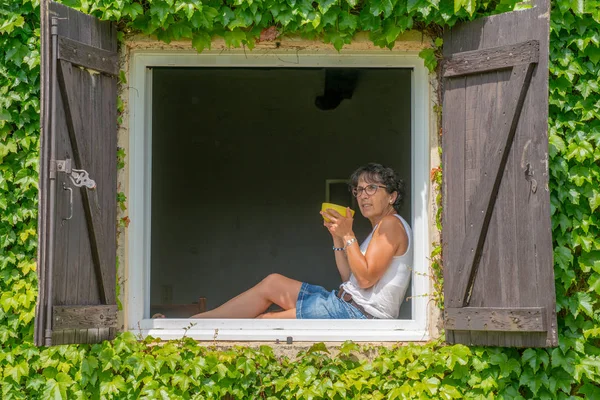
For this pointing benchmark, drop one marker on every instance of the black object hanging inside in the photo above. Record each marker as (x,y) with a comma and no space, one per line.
(339,85)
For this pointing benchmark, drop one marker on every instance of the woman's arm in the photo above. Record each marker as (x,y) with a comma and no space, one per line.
(388,238)
(341,261)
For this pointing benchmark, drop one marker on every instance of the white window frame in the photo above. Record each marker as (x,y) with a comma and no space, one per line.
(137,302)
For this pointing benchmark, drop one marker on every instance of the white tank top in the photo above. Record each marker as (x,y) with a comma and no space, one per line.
(383,299)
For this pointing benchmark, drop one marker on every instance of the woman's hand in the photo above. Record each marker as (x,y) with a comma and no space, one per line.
(338,225)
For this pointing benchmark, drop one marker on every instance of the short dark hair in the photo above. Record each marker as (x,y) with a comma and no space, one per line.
(377,173)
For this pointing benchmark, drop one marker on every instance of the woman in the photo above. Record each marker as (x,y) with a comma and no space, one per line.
(375,275)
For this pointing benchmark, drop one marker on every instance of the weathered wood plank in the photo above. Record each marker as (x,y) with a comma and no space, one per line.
(104,140)
(100,239)
(94,335)
(78,267)
(481,101)
(107,333)
(497,260)
(91,335)
(45,74)
(69,336)
(86,56)
(479,61)
(71,252)
(80,317)
(531,319)
(58,337)
(536,283)
(82,336)
(96,142)
(106,167)
(464,37)
(88,277)
(60,271)
(453,180)
(525,278)
(447,87)
(485,195)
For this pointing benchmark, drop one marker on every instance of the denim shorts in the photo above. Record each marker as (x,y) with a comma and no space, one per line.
(315,302)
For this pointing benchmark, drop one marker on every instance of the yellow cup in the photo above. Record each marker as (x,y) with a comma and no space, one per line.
(338,208)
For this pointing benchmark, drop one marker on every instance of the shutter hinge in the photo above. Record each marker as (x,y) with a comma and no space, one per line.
(79,177)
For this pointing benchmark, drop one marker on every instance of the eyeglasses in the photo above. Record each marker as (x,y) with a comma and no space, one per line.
(370,190)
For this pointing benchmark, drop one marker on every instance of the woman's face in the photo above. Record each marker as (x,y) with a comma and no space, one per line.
(376,204)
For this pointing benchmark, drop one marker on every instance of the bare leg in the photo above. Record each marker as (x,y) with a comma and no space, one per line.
(253,302)
(287,314)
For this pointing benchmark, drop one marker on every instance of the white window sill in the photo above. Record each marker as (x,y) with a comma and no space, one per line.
(272,330)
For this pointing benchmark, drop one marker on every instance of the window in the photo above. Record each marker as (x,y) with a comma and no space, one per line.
(215,234)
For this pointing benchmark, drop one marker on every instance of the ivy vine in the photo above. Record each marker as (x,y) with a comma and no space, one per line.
(241,22)
(183,369)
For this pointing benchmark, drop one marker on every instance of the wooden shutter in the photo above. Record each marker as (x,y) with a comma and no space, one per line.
(497,243)
(77,225)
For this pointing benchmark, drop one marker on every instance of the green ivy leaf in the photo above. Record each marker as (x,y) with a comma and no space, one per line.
(580,151)
(565,361)
(430,61)
(17,371)
(182,381)
(456,354)
(589,367)
(531,380)
(450,392)
(594,283)
(391,31)
(330,19)
(590,260)
(16,53)
(235,38)
(468,5)
(9,24)
(488,384)
(587,87)
(133,10)
(429,385)
(113,387)
(379,7)
(159,10)
(201,40)
(243,19)
(318,347)
(368,21)
(594,200)
(338,39)
(57,388)
(348,21)
(593,53)
(590,391)
(534,358)
(586,304)
(325,5)
(564,222)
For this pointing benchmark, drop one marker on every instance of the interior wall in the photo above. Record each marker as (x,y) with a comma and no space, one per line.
(239,163)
